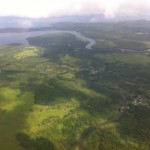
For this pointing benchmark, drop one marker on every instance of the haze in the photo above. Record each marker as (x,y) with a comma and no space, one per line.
(54,8)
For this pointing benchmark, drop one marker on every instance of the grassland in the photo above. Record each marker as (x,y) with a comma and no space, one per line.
(27,53)
(128,58)
(48,99)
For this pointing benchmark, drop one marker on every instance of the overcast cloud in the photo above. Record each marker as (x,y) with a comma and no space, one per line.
(53,8)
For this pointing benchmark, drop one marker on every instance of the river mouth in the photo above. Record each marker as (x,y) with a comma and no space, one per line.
(21,37)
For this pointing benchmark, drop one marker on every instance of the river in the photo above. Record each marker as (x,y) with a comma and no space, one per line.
(21,37)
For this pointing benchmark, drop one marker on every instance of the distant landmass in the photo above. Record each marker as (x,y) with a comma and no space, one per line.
(25,22)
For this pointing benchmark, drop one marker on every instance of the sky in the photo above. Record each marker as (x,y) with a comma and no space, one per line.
(55,8)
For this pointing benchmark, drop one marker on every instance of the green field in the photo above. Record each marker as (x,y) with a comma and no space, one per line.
(49,98)
(125,58)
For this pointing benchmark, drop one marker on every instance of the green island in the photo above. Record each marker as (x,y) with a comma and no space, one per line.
(55,94)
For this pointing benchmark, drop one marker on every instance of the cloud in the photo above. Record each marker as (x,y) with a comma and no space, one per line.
(25,24)
(52,8)
(94,19)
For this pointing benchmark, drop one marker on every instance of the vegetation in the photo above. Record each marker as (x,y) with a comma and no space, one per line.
(56,90)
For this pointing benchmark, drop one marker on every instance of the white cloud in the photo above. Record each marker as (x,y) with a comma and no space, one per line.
(49,8)
(94,19)
(25,24)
